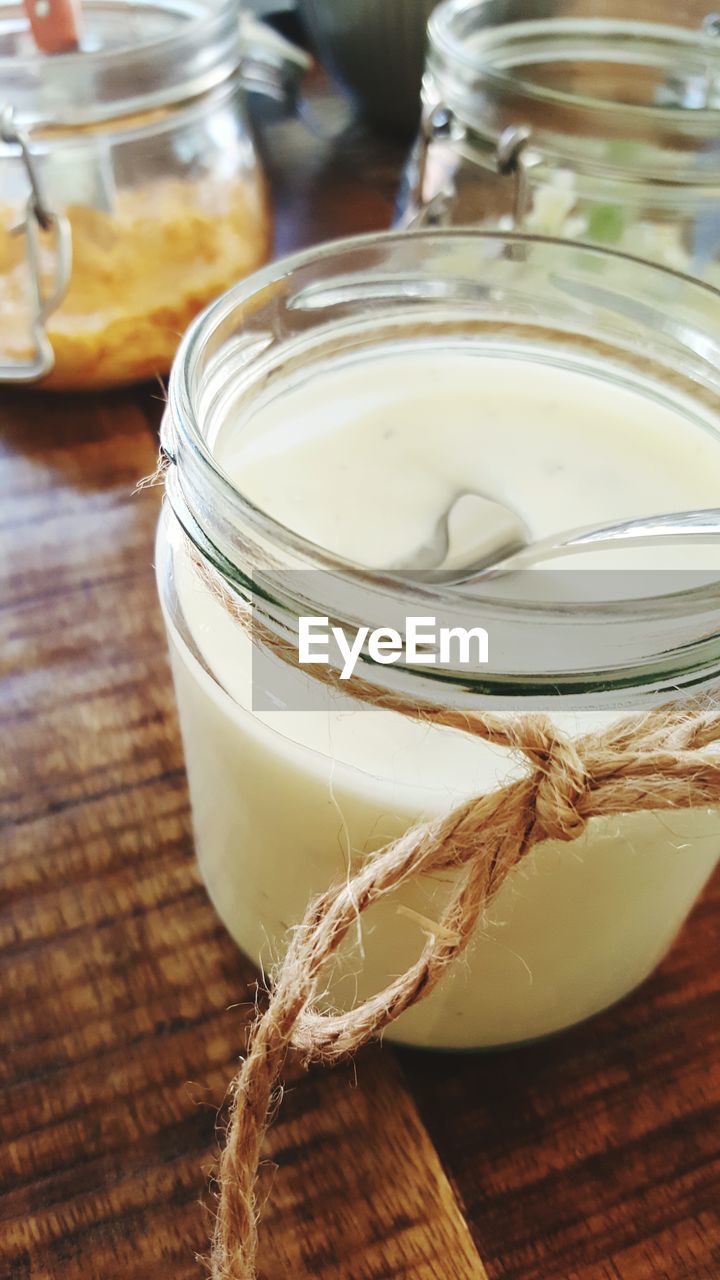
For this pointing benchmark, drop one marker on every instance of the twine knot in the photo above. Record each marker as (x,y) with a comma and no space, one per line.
(562,781)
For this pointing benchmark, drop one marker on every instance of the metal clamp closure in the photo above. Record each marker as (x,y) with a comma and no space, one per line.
(510,151)
(39,219)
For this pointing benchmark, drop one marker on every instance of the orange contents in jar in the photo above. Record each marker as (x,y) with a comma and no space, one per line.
(140,272)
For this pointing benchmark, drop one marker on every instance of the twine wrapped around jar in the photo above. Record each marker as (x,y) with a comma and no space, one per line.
(666,758)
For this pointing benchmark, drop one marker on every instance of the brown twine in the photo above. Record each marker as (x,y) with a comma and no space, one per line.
(661,760)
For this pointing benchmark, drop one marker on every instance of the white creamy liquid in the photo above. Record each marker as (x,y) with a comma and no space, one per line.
(363,459)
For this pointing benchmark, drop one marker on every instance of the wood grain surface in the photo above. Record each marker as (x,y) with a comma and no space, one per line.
(592,1156)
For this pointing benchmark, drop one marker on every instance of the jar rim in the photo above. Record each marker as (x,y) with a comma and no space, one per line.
(178,50)
(198,486)
(479,62)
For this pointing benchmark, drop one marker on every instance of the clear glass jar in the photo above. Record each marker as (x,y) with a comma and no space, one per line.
(575,119)
(285,792)
(131,190)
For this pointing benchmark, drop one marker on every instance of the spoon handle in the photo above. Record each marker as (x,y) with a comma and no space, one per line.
(55,24)
(662,529)
(691,527)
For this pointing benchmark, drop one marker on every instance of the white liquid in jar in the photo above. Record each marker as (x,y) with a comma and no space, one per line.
(363,459)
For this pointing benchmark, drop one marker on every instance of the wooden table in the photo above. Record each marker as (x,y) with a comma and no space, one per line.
(594,1156)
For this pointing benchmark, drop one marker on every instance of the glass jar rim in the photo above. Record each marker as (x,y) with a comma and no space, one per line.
(197,484)
(460,68)
(184,48)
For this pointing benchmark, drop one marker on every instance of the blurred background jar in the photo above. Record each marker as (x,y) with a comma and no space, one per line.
(130,187)
(376,49)
(587,119)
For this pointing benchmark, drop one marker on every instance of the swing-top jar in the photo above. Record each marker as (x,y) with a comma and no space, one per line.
(131,190)
(574,118)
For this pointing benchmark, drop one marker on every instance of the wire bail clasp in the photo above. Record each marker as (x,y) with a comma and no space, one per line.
(511,153)
(38,218)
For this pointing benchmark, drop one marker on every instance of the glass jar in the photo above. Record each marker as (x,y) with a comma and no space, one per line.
(291,782)
(131,190)
(575,119)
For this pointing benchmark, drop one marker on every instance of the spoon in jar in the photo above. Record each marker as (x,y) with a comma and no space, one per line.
(473,532)
(55,24)
(78,174)
(485,538)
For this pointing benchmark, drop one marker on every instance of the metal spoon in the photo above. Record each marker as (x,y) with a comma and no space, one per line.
(474,531)
(504,547)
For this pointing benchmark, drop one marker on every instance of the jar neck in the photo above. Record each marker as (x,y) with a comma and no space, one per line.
(134,60)
(577,306)
(598,92)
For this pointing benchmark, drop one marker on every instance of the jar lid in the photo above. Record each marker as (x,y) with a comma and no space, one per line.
(134,56)
(595,83)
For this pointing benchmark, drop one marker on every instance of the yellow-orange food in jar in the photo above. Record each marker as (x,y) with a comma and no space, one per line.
(141,270)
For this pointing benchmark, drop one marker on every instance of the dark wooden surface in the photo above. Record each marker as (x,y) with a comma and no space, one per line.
(594,1156)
